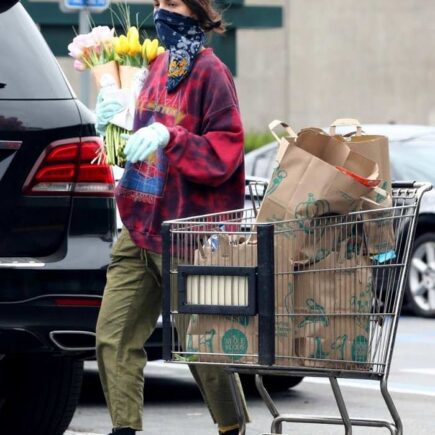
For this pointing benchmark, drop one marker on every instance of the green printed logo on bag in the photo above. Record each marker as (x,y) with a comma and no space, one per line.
(207,339)
(360,349)
(361,304)
(241,320)
(189,346)
(309,209)
(282,328)
(234,342)
(339,346)
(318,353)
(319,314)
(277,177)
(381,198)
(352,202)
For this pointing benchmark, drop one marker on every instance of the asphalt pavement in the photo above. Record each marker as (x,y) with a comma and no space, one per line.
(173,404)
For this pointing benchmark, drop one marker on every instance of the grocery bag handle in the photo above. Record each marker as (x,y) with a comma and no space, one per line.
(347,122)
(277,123)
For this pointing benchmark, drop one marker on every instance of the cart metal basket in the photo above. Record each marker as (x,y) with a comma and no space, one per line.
(305,297)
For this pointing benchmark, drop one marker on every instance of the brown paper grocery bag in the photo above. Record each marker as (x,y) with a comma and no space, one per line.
(333,300)
(234,339)
(380,233)
(283,141)
(222,339)
(306,185)
(374,147)
(378,222)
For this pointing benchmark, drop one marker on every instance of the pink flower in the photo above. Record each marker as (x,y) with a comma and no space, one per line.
(102,35)
(84,41)
(93,48)
(79,65)
(75,50)
(98,49)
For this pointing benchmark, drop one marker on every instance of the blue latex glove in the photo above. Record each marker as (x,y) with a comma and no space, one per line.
(145,141)
(105,109)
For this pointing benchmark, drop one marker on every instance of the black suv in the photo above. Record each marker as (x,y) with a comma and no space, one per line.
(57,225)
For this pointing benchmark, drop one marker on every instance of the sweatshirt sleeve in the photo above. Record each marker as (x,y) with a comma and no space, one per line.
(212,156)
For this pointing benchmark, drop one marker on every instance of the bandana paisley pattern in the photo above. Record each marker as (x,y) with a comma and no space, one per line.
(183,37)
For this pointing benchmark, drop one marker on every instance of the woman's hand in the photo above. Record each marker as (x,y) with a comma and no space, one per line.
(105,109)
(145,141)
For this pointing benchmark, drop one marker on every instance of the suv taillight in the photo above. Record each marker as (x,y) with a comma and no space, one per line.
(66,168)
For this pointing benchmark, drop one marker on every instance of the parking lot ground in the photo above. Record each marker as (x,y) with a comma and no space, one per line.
(173,404)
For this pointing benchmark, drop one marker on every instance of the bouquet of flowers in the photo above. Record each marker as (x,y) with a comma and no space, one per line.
(95,50)
(119,64)
(132,55)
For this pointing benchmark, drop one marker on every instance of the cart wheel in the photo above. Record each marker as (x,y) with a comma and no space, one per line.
(420,289)
(273,384)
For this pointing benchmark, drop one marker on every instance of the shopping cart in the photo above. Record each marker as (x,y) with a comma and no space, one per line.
(304,297)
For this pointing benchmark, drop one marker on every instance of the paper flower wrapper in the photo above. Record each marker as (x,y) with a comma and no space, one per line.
(109,68)
(122,122)
(128,75)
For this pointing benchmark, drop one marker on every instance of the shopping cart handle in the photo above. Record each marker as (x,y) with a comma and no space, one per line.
(422,186)
(403,184)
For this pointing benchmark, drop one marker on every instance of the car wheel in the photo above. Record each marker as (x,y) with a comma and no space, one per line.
(38,394)
(273,384)
(420,290)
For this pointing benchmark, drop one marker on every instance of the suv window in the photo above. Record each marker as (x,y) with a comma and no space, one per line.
(28,68)
(413,160)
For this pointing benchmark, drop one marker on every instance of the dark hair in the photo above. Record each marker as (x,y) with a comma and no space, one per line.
(209,18)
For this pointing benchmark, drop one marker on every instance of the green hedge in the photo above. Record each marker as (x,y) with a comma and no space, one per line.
(254,140)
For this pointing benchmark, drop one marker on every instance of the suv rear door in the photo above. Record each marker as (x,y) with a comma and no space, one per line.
(37,111)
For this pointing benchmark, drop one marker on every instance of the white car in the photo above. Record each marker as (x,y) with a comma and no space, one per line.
(412,157)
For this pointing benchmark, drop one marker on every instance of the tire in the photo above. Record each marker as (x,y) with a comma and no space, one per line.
(273,384)
(38,394)
(420,286)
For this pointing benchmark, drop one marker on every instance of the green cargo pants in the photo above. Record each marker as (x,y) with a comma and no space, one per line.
(129,311)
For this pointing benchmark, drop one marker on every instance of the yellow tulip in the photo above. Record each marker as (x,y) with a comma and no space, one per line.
(160,50)
(134,48)
(133,34)
(151,50)
(145,44)
(121,46)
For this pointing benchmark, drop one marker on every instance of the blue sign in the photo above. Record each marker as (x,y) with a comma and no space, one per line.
(91,4)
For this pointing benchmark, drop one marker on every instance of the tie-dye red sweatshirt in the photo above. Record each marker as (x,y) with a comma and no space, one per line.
(201,170)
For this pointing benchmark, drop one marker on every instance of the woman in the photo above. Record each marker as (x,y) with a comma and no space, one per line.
(184,159)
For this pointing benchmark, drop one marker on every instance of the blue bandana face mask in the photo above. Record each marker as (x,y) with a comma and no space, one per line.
(183,37)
